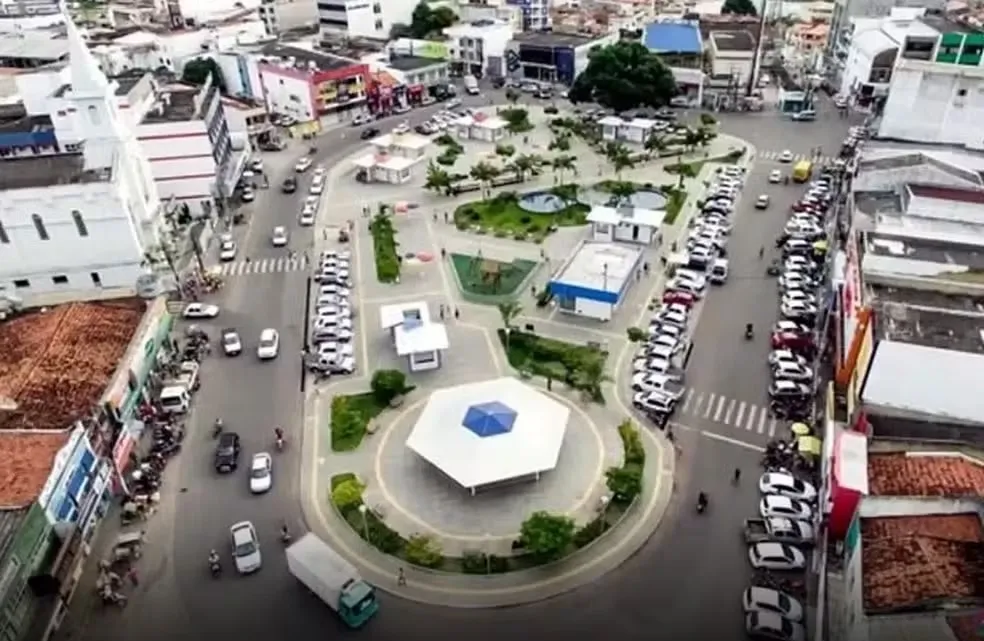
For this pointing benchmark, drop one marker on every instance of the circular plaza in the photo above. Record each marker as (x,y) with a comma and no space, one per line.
(473,461)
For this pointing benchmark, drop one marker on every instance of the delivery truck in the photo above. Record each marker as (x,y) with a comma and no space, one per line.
(336,581)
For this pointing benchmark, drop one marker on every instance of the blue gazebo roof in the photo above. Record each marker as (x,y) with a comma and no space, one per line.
(489,419)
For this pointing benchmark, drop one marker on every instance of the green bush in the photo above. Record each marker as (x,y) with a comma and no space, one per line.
(386,249)
(474,563)
(387,384)
(384,538)
(735,155)
(350,415)
(547,536)
(589,532)
(550,110)
(504,150)
(347,495)
(422,550)
(446,140)
(624,482)
(635,334)
(635,453)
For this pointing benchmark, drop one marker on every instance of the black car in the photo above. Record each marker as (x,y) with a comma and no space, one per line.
(369,132)
(227,452)
(289,186)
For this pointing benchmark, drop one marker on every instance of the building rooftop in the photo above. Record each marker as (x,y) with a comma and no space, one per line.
(551,39)
(942,192)
(488,432)
(942,24)
(32,45)
(412,63)
(47,171)
(420,337)
(921,561)
(733,41)
(26,125)
(928,318)
(55,363)
(391,316)
(628,215)
(918,474)
(600,266)
(885,164)
(307,59)
(672,37)
(27,462)
(125,84)
(175,103)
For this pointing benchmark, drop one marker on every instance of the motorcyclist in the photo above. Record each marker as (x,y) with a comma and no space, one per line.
(279,433)
(213,559)
(701,500)
(284,533)
(737,475)
(749,330)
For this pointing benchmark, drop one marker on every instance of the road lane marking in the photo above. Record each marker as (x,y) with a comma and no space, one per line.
(772,428)
(697,404)
(733,441)
(762,417)
(717,412)
(727,414)
(740,415)
(750,423)
(690,397)
(710,405)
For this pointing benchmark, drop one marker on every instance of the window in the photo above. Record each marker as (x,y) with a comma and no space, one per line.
(377,8)
(961,93)
(4,238)
(379,25)
(39,226)
(22,283)
(60,280)
(96,280)
(94,116)
(80,224)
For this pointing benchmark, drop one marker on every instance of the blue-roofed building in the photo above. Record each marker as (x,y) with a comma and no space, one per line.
(681,46)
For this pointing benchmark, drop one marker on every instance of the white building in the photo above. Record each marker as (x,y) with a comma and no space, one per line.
(279,16)
(479,48)
(79,223)
(138,51)
(637,130)
(481,127)
(363,18)
(414,335)
(626,224)
(594,280)
(247,119)
(732,55)
(393,157)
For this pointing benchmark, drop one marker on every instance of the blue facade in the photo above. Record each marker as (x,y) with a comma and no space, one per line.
(673,37)
(244,77)
(565,64)
(565,291)
(77,473)
(22,139)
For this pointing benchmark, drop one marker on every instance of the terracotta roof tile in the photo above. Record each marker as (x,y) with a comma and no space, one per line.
(904,475)
(27,461)
(55,364)
(908,561)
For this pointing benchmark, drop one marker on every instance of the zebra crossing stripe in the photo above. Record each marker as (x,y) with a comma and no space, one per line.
(710,405)
(720,406)
(741,413)
(761,426)
(727,413)
(772,428)
(690,397)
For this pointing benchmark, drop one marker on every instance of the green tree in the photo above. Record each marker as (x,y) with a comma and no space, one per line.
(619,157)
(635,334)
(524,164)
(509,311)
(197,71)
(656,144)
(625,483)
(622,76)
(422,550)
(504,151)
(707,120)
(546,535)
(438,180)
(425,23)
(691,138)
(89,10)
(564,164)
(347,495)
(621,191)
(387,384)
(560,143)
(739,8)
(484,174)
(590,378)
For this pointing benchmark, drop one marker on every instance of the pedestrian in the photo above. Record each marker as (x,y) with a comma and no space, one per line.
(324,234)
(444,253)
(445,218)
(457,313)
(401,578)
(441,312)
(435,216)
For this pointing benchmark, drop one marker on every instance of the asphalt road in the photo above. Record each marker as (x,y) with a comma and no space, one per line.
(684,584)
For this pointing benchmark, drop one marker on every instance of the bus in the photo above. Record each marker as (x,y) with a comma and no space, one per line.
(802,171)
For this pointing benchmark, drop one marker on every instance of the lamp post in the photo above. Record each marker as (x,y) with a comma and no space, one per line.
(604,502)
(488,554)
(363,510)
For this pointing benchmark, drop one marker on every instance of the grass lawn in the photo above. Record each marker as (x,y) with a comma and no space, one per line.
(349,417)
(470,275)
(503,217)
(547,357)
(674,204)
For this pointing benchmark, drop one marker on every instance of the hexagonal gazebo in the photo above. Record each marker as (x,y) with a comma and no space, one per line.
(484,434)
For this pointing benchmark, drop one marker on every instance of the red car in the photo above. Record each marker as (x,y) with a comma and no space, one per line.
(792,340)
(680,297)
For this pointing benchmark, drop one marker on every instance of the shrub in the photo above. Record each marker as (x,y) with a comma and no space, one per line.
(624,482)
(445,140)
(550,110)
(589,532)
(525,220)
(422,550)
(347,495)
(504,150)
(347,426)
(387,384)
(383,537)
(501,233)
(635,453)
(474,563)
(546,535)
(544,297)
(635,334)
(385,247)
(447,158)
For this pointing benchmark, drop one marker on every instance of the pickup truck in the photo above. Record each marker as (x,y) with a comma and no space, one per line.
(780,530)
(316,565)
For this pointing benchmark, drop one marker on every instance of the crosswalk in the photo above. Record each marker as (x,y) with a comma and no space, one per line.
(774,156)
(718,408)
(279,265)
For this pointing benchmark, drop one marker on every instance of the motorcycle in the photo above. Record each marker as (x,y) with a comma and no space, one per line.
(216,568)
(280,443)
(749,332)
(701,504)
(217,428)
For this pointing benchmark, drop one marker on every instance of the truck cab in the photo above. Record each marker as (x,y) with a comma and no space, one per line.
(333,579)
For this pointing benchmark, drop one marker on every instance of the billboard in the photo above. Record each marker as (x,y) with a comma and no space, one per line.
(420,48)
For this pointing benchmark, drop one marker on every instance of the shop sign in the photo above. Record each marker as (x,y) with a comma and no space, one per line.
(121,450)
(64,456)
(429,49)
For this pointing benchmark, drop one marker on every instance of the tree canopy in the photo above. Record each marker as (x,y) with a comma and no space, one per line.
(739,8)
(425,22)
(197,71)
(623,76)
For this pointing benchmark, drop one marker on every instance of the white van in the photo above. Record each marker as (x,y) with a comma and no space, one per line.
(471,85)
(175,399)
(719,271)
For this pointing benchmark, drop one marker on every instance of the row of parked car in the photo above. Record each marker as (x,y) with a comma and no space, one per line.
(332,321)
(657,371)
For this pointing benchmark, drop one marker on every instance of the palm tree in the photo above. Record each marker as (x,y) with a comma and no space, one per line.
(438,180)
(656,143)
(484,173)
(509,311)
(590,378)
(524,164)
(619,157)
(562,164)
(560,143)
(691,139)
(620,192)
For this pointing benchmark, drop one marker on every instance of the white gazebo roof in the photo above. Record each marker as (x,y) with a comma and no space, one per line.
(386,161)
(406,141)
(611,121)
(481,120)
(391,316)
(642,123)
(488,432)
(420,338)
(628,215)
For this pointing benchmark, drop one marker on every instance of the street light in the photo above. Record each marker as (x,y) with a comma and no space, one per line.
(488,554)
(363,510)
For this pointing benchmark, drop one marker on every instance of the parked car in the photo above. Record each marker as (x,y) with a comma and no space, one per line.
(771,626)
(776,556)
(756,599)
(783,389)
(771,506)
(654,402)
(200,310)
(786,485)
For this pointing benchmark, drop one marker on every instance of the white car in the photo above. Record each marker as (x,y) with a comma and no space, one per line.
(673,318)
(336,290)
(319,173)
(261,473)
(248,196)
(232,345)
(256,164)
(776,556)
(227,250)
(792,372)
(786,485)
(762,202)
(648,382)
(775,176)
(306,219)
(317,187)
(332,334)
(797,309)
(340,322)
(785,356)
(666,340)
(654,402)
(768,625)
(279,237)
(756,599)
(269,345)
(245,547)
(646,365)
(786,156)
(200,310)
(686,285)
(335,350)
(303,165)
(782,506)
(797,295)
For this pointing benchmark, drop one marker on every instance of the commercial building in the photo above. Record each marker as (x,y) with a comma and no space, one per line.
(594,280)
(247,119)
(626,224)
(280,16)
(80,223)
(536,14)
(870,55)
(482,435)
(29,7)
(732,61)
(680,45)
(550,57)
(363,18)
(406,81)
(804,47)
(392,158)
(636,131)
(478,48)
(481,127)
(415,336)
(31,50)
(312,86)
